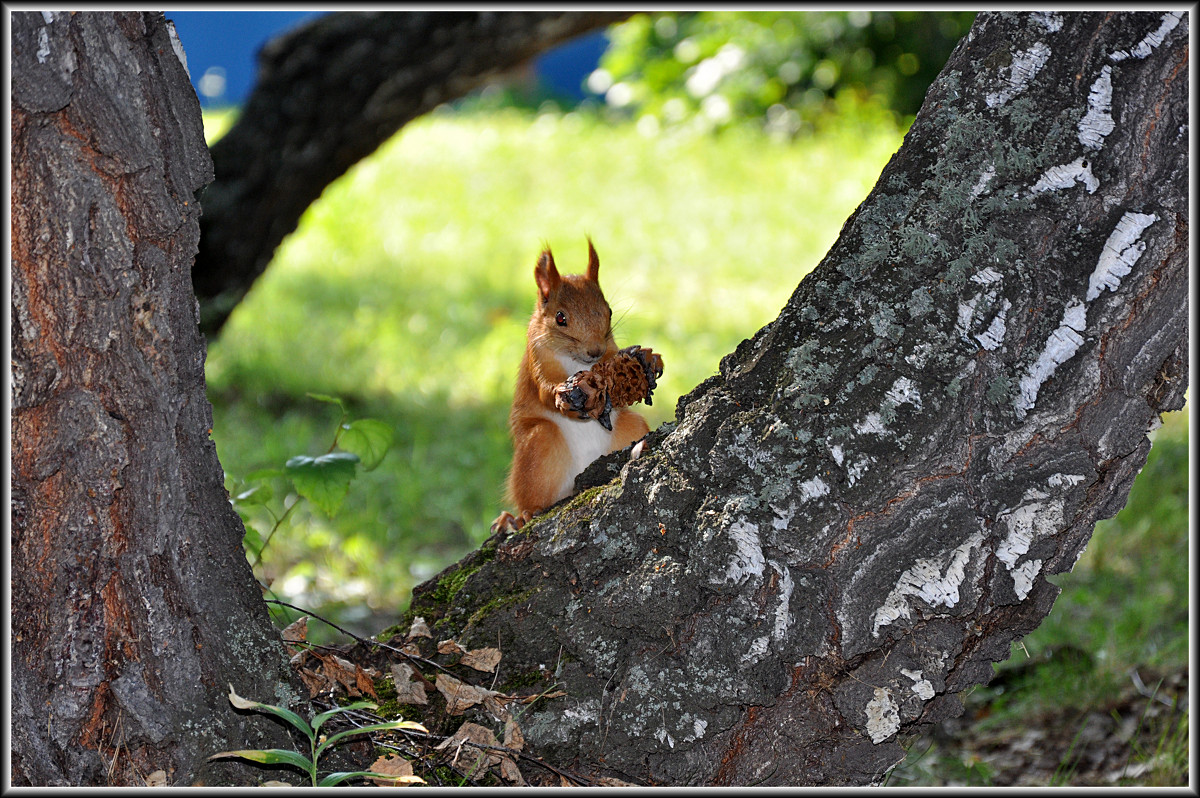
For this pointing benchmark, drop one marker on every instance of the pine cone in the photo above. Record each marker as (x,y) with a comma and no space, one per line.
(628,378)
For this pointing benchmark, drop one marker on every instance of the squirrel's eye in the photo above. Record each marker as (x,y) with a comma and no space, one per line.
(561,318)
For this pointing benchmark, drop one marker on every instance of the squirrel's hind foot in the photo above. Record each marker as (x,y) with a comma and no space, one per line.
(507,522)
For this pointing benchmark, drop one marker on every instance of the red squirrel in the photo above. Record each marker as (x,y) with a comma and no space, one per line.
(554,437)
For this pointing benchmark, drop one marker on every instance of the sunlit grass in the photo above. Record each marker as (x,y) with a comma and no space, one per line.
(217,122)
(407,288)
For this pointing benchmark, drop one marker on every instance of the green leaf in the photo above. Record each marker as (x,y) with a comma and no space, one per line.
(394,724)
(253,540)
(333,400)
(323,480)
(340,776)
(318,720)
(280,712)
(271,756)
(368,438)
(259,494)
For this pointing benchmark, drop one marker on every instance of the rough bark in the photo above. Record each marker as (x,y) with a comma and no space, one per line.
(856,517)
(133,606)
(326,96)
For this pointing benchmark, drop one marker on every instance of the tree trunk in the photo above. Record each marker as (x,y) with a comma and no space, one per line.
(327,95)
(857,516)
(133,606)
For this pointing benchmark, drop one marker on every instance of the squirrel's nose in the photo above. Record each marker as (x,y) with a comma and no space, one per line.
(595,353)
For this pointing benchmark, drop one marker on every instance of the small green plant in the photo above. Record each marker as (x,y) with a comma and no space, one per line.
(318,744)
(323,480)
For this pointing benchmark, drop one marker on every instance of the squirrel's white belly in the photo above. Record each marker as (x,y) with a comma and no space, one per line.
(586,441)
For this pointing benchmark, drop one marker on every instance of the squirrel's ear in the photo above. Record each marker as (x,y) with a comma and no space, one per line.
(593,269)
(546,274)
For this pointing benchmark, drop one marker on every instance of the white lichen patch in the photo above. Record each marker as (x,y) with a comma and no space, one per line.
(982,183)
(1064,176)
(1023,577)
(1025,65)
(1151,40)
(966,313)
(756,650)
(1121,251)
(986,276)
(783,614)
(883,716)
(836,452)
(871,424)
(993,336)
(919,356)
(43,50)
(783,517)
(582,715)
(1098,122)
(857,469)
(921,686)
(936,581)
(1050,20)
(904,391)
(747,561)
(1060,347)
(1058,480)
(813,489)
(177,46)
(1034,518)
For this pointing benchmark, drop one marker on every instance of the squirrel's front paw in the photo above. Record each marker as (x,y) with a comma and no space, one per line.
(651,365)
(584,395)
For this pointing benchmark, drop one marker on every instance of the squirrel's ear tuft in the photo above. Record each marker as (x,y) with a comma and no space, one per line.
(546,274)
(593,267)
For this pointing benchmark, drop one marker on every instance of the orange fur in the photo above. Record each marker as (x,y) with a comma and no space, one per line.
(551,447)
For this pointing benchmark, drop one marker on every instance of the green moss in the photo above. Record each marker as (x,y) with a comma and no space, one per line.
(450,583)
(584,497)
(524,679)
(499,603)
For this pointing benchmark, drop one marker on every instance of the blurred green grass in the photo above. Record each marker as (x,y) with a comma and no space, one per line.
(407,287)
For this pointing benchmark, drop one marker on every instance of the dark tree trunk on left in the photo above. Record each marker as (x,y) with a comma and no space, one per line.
(133,606)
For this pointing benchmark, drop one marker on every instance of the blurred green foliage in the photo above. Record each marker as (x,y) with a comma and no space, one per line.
(786,70)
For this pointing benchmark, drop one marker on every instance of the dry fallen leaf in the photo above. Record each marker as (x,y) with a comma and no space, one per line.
(296,631)
(513,738)
(450,647)
(363,682)
(408,689)
(315,682)
(510,772)
(482,659)
(157,779)
(459,695)
(419,628)
(472,732)
(393,765)
(608,781)
(341,671)
(274,783)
